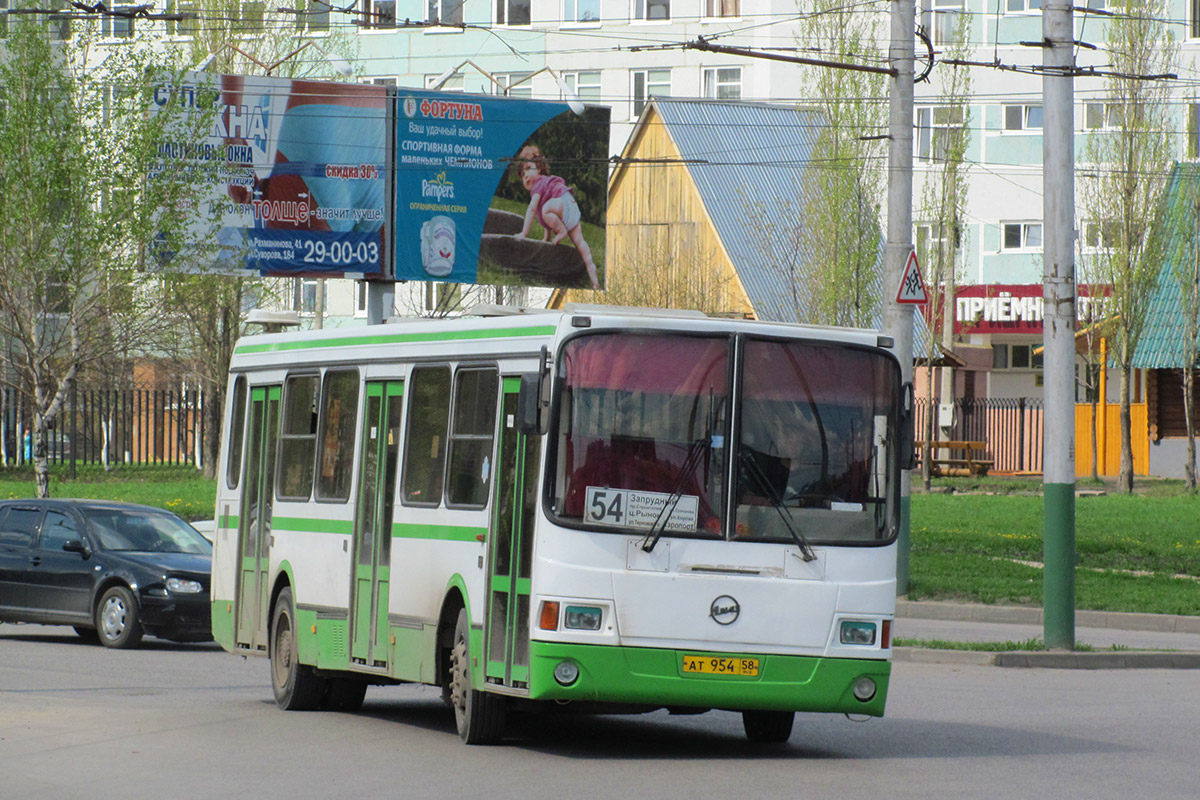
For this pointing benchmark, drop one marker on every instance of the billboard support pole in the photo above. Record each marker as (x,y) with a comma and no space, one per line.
(381,299)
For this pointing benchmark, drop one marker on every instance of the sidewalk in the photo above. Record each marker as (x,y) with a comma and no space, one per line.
(1147,641)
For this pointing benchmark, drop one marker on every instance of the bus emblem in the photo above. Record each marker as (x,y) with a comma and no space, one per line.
(724,610)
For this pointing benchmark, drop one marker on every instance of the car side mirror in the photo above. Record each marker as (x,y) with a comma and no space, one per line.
(77,546)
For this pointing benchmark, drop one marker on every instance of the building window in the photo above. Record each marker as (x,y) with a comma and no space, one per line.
(508,12)
(1194,19)
(649,83)
(304,295)
(514,84)
(1099,235)
(1016,356)
(1022,236)
(1019,117)
(455,83)
(382,82)
(1193,130)
(722,8)
(581,11)
(652,10)
(182,27)
(933,123)
(723,83)
(116,26)
(360,300)
(379,13)
(445,12)
(585,85)
(1101,116)
(1022,6)
(312,16)
(940,18)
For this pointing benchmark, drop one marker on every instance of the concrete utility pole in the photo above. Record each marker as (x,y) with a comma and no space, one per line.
(1058,332)
(897,317)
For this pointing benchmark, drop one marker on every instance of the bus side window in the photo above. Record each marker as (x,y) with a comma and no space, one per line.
(298,436)
(237,432)
(425,442)
(471,437)
(339,421)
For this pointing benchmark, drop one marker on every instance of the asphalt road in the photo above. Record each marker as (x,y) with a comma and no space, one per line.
(191,721)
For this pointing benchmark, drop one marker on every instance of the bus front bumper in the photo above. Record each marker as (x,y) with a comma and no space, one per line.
(656,677)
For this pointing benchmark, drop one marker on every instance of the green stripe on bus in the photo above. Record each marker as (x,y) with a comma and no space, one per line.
(228,521)
(342,526)
(445,533)
(395,338)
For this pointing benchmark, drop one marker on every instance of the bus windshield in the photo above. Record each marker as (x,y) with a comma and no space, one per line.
(647,438)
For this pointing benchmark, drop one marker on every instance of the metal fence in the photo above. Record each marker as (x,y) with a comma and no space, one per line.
(132,426)
(1011,429)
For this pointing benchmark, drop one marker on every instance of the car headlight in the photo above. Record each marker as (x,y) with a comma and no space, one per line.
(183,586)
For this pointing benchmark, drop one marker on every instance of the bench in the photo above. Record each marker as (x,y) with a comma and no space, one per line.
(962,459)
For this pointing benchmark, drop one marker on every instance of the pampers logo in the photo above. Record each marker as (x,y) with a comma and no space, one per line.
(439,187)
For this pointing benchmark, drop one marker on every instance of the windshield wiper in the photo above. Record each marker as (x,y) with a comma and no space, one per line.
(755,471)
(694,454)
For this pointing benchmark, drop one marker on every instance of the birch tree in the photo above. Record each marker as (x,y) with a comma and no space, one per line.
(1127,172)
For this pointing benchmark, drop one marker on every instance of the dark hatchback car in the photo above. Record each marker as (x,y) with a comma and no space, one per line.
(115,571)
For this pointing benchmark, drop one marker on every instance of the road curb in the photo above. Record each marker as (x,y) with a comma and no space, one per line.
(976,612)
(1050,659)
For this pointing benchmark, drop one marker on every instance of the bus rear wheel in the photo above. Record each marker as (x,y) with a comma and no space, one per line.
(479,716)
(297,687)
(768,726)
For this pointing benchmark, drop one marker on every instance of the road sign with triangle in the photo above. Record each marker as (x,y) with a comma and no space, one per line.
(912,287)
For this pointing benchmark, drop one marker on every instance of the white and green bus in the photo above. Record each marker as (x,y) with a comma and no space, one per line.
(606,510)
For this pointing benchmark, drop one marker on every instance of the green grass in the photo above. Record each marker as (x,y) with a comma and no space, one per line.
(1131,548)
(995,647)
(181,490)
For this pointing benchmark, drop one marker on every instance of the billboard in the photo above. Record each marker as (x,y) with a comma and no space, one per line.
(1016,308)
(302,189)
(497,190)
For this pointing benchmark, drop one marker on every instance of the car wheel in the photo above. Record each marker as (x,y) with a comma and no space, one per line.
(297,686)
(768,726)
(118,620)
(479,716)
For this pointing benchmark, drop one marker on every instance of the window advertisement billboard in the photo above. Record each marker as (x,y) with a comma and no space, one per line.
(496,190)
(303,184)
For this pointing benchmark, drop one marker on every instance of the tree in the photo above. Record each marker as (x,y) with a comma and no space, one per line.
(83,191)
(677,274)
(840,212)
(1130,172)
(1184,224)
(940,239)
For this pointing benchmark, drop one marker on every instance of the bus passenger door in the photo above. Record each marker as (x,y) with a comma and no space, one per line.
(511,553)
(254,518)
(380,437)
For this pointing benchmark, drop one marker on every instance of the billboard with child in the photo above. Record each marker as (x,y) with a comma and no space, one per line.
(497,190)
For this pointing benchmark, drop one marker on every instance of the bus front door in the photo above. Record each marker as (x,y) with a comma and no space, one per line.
(254,518)
(380,437)
(511,553)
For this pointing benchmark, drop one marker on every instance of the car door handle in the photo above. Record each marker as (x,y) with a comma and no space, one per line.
(35,560)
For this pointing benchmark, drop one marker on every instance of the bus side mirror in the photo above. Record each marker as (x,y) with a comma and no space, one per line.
(528,416)
(533,400)
(906,439)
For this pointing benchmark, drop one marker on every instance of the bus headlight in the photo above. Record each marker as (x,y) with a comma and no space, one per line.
(582,618)
(857,632)
(566,672)
(864,688)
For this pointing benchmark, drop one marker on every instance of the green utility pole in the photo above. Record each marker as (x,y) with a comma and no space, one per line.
(1058,333)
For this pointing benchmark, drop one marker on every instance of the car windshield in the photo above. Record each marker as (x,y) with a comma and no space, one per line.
(145,531)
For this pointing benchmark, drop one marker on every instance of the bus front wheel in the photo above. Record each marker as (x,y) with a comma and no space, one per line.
(768,726)
(479,716)
(297,687)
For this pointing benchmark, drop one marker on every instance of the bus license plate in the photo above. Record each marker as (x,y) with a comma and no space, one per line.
(707,665)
